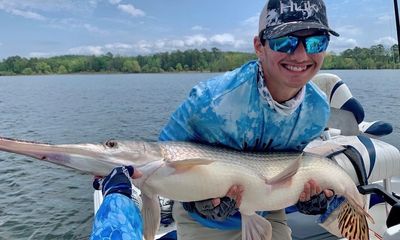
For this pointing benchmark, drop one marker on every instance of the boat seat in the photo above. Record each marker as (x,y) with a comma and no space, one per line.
(340,98)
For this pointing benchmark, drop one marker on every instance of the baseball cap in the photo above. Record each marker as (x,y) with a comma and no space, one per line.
(282,17)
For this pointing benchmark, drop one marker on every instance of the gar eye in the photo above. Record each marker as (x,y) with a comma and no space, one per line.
(111,143)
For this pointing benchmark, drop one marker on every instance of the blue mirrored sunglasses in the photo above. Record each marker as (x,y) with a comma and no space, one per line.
(288,44)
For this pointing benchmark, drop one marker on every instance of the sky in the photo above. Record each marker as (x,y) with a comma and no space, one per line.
(45,28)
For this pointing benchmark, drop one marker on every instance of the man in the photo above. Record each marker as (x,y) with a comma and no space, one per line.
(265,105)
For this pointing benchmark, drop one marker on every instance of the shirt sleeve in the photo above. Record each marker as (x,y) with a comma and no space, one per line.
(180,125)
(117,218)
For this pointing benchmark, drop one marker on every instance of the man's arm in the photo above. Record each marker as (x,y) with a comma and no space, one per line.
(119,215)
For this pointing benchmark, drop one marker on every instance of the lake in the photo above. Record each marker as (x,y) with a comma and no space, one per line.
(44,201)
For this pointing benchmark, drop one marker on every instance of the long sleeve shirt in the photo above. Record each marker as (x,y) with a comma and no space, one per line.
(117,218)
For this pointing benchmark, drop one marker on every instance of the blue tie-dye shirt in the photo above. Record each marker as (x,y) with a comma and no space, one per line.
(228,110)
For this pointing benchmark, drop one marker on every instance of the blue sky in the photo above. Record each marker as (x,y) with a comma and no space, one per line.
(43,28)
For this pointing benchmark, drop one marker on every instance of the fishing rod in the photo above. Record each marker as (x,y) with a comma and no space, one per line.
(396,12)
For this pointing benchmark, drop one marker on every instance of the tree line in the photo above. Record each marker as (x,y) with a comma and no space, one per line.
(214,60)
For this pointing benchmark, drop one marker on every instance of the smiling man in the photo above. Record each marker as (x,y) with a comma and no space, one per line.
(264,105)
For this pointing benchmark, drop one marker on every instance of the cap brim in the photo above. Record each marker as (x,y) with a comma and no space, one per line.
(291,27)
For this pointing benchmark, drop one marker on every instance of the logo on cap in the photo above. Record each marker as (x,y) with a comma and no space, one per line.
(305,7)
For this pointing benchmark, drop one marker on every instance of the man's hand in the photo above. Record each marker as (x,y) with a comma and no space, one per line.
(218,209)
(313,200)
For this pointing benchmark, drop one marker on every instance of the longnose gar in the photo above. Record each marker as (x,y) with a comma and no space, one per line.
(185,171)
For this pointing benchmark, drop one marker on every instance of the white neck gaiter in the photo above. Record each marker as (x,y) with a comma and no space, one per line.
(285,108)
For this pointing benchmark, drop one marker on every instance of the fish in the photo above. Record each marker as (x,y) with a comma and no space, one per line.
(186,171)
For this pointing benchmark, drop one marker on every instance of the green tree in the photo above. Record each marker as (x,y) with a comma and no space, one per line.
(179,67)
(131,66)
(42,68)
(27,71)
(62,70)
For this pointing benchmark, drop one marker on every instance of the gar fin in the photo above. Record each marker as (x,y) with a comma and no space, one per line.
(187,164)
(255,227)
(359,208)
(352,221)
(287,173)
(325,149)
(151,216)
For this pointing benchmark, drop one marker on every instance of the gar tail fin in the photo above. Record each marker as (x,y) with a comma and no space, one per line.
(353,221)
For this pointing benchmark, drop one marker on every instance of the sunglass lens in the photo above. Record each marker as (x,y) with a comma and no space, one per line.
(285,44)
(316,44)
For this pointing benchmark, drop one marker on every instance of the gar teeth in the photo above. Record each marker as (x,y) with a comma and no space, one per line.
(296,69)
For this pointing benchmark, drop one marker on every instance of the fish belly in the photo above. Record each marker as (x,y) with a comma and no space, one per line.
(206,181)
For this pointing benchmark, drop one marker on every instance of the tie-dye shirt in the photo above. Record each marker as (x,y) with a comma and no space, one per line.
(229,110)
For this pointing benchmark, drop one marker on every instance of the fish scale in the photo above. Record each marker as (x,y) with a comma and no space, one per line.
(265,164)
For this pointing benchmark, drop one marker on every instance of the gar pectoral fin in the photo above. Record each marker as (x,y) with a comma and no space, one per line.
(151,216)
(287,173)
(187,164)
(255,227)
(353,222)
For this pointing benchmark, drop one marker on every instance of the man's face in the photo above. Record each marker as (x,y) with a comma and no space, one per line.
(287,73)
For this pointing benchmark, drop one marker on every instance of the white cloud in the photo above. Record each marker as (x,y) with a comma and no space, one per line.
(224,41)
(386,41)
(87,50)
(198,28)
(41,54)
(338,45)
(144,47)
(177,44)
(251,21)
(199,41)
(195,40)
(385,19)
(118,46)
(93,3)
(348,30)
(114,2)
(131,10)
(45,5)
(224,38)
(14,9)
(93,29)
(27,14)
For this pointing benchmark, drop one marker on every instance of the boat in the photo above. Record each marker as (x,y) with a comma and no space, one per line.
(373,164)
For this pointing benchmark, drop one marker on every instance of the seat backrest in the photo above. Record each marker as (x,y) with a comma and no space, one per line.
(339,95)
(340,98)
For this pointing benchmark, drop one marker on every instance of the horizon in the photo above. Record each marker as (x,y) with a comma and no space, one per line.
(173,51)
(48,28)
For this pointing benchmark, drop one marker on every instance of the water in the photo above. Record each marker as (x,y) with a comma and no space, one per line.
(43,201)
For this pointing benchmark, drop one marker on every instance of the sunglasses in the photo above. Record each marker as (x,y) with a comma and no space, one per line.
(288,44)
